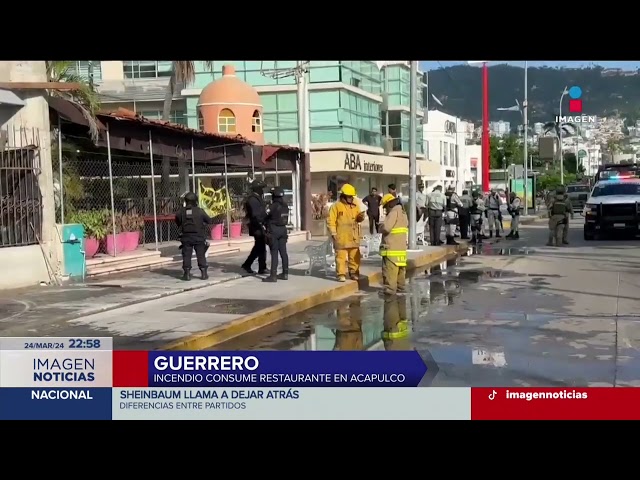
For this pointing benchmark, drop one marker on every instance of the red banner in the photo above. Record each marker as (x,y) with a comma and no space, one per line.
(555,403)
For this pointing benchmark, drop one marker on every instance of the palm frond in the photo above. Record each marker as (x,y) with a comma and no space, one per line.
(86,98)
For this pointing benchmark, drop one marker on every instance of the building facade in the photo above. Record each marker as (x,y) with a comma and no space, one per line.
(445,143)
(356,110)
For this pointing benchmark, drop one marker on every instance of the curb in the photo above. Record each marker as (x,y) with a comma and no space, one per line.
(267,316)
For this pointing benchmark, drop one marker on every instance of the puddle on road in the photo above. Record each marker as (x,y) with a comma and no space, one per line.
(483,326)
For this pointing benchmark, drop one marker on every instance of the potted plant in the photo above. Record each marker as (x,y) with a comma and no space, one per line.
(217,230)
(237,216)
(94,223)
(320,213)
(132,225)
(115,238)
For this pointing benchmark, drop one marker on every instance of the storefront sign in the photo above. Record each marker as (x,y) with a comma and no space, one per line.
(352,162)
(450,173)
(449,128)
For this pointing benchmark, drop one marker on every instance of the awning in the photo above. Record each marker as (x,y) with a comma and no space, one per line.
(7,97)
(69,111)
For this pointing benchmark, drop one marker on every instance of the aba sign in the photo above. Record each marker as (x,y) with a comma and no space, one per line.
(352,162)
(449,128)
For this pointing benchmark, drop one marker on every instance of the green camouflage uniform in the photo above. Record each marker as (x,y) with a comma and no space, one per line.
(559,212)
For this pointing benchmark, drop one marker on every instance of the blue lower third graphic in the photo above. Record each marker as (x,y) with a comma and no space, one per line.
(56,403)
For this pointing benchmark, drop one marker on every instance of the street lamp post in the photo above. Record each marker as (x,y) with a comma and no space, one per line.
(525,148)
(486,163)
(564,92)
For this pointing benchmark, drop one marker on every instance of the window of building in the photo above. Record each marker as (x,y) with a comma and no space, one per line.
(426,149)
(200,120)
(457,157)
(226,121)
(86,69)
(452,154)
(445,150)
(147,69)
(256,122)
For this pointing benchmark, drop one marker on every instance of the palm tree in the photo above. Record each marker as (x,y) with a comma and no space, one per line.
(182,73)
(85,98)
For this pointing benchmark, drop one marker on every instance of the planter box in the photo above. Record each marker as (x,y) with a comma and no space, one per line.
(319,228)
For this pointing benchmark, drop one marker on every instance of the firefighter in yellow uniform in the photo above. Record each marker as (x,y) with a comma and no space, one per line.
(344,220)
(393,248)
(396,333)
(349,334)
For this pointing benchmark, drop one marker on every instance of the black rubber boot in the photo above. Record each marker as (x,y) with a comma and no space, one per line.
(247,268)
(270,279)
(283,276)
(451,240)
(510,235)
(204,275)
(186,276)
(263,271)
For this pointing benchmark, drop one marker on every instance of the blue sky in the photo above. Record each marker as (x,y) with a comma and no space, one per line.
(630,65)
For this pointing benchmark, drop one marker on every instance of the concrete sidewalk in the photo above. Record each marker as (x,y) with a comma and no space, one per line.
(150,311)
(33,306)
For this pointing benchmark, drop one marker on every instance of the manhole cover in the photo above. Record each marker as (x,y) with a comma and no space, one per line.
(10,308)
(228,306)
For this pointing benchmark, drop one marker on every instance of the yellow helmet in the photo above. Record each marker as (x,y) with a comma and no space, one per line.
(348,190)
(387,198)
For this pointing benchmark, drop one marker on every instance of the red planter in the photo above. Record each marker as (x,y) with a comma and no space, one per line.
(131,241)
(91,246)
(115,243)
(216,231)
(236,230)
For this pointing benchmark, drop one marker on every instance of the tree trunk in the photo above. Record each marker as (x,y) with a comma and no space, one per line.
(165,179)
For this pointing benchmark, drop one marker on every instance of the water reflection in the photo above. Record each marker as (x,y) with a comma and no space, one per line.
(397,328)
(348,333)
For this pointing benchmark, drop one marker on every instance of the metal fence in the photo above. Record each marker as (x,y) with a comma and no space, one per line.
(129,194)
(20,196)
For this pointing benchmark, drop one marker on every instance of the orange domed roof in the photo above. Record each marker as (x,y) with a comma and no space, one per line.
(229,89)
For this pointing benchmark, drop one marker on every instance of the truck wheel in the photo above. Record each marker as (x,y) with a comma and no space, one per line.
(588,235)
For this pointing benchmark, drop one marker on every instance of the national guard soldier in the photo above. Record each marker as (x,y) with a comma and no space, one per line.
(343,222)
(393,248)
(451,214)
(514,211)
(277,234)
(349,335)
(256,213)
(435,209)
(476,211)
(558,210)
(397,330)
(493,213)
(464,215)
(569,215)
(191,221)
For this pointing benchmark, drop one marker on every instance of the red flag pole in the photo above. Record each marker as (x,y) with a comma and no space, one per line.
(486,163)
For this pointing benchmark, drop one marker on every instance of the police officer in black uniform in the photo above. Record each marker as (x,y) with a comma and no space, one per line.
(256,213)
(276,223)
(191,221)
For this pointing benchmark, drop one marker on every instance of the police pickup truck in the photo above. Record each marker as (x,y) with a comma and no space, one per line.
(614,205)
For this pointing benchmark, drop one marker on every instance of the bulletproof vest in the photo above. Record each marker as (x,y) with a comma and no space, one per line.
(189,220)
(279,214)
(449,202)
(558,208)
(473,208)
(247,205)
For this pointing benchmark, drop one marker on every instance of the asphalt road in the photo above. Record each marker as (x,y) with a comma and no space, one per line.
(516,313)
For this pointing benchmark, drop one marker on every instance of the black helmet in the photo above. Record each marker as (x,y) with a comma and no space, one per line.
(277,192)
(258,185)
(560,190)
(191,198)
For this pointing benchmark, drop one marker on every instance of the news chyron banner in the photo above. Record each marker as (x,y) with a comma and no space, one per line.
(83,378)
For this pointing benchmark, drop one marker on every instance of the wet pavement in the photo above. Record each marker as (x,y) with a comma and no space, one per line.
(513,313)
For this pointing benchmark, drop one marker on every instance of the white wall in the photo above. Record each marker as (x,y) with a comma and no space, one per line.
(435,138)
(27,264)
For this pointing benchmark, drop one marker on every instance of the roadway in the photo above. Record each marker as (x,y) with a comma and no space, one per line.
(514,313)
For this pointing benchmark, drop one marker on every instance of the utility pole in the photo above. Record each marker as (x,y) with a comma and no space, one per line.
(413,138)
(525,153)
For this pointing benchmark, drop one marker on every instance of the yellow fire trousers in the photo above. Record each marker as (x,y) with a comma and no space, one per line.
(393,277)
(347,261)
